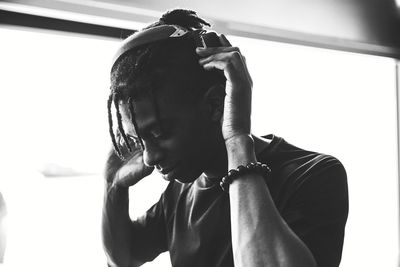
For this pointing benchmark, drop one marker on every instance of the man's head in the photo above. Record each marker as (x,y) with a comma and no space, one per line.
(166,101)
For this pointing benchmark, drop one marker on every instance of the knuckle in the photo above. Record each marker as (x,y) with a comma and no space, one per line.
(211,57)
(236,55)
(233,56)
(229,64)
(214,49)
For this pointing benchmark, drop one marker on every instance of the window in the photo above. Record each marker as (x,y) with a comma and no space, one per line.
(343,104)
(54,88)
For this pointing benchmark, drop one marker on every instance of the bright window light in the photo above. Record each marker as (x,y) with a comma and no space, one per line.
(343,104)
(54,89)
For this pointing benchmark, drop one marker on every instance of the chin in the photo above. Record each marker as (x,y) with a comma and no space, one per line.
(185,181)
(183,174)
(185,178)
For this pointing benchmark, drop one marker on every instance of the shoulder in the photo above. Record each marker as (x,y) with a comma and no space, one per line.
(289,161)
(301,176)
(310,192)
(317,178)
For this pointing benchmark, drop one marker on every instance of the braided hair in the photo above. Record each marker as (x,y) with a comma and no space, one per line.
(142,69)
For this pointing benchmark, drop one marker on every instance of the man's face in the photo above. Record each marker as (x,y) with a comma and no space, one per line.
(179,142)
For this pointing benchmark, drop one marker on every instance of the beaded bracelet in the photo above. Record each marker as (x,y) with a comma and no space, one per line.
(258,167)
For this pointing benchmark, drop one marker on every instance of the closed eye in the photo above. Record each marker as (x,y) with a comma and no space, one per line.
(154,134)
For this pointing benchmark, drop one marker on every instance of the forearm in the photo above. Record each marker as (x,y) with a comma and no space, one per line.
(260,236)
(117,226)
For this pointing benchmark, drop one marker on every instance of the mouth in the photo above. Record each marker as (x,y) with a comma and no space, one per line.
(165,171)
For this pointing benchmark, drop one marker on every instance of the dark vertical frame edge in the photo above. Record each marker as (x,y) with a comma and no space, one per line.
(47,23)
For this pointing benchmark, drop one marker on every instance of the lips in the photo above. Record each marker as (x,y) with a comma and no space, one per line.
(166,170)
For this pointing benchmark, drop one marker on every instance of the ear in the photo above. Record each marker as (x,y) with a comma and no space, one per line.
(213,102)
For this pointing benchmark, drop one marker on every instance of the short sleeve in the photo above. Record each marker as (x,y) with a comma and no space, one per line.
(150,233)
(317,210)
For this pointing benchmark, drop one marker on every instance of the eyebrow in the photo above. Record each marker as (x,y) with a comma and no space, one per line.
(162,123)
(144,129)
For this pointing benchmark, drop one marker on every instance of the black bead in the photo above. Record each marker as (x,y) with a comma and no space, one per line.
(258,167)
(233,173)
(241,168)
(251,165)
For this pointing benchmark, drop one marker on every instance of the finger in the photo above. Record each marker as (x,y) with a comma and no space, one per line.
(229,58)
(221,65)
(132,172)
(131,179)
(233,57)
(224,40)
(231,70)
(247,70)
(203,52)
(206,52)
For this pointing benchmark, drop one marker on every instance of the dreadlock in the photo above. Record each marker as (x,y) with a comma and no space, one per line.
(132,112)
(110,122)
(120,126)
(137,67)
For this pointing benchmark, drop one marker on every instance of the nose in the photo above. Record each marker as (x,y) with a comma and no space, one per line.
(152,154)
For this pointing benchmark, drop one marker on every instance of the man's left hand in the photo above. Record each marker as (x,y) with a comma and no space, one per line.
(237,104)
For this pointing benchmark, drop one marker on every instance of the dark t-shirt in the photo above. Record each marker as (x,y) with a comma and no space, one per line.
(192,221)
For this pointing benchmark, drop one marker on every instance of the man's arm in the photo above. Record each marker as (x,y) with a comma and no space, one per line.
(117,227)
(129,243)
(260,236)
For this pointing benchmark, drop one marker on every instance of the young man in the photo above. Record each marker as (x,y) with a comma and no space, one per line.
(185,111)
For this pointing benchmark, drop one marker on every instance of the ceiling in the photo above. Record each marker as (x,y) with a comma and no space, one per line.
(368,26)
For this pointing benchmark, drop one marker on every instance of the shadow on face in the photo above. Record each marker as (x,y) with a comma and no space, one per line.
(179,135)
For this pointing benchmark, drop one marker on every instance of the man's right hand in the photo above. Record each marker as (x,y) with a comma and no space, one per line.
(126,172)
(116,223)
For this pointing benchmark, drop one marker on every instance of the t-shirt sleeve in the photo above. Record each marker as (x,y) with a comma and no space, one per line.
(150,233)
(317,210)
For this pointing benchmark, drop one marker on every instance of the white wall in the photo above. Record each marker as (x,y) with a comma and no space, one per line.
(54,109)
(341,104)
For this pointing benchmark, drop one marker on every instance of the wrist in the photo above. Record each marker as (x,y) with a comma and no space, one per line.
(115,196)
(240,150)
(114,190)
(241,171)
